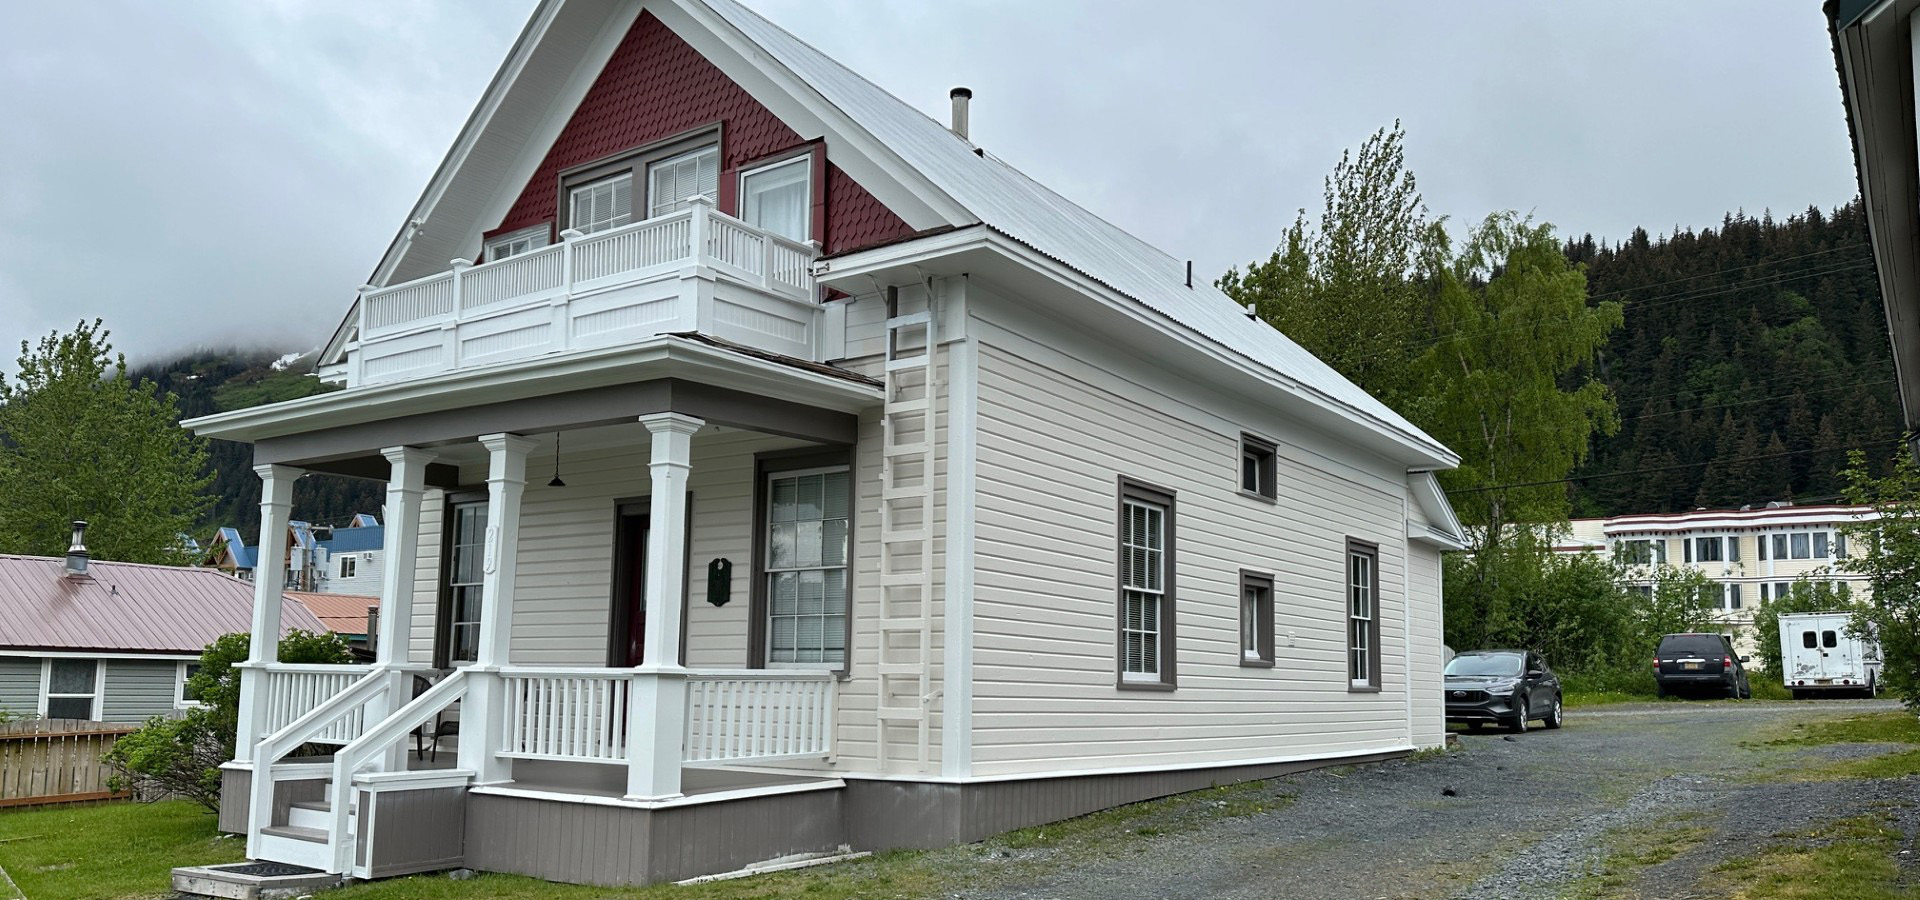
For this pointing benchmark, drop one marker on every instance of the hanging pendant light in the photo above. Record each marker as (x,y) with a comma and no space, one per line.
(556,482)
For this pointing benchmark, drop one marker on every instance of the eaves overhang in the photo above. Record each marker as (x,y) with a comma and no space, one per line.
(983,250)
(663,357)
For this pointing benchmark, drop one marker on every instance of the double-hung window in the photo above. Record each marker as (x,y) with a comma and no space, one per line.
(1146,586)
(808,516)
(1256,619)
(779,197)
(73,689)
(1363,617)
(673,181)
(600,205)
(465,569)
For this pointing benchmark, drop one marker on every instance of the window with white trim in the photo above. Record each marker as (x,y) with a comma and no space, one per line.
(1146,586)
(1641,551)
(674,180)
(184,696)
(600,205)
(1706,549)
(808,514)
(515,243)
(466,567)
(348,566)
(1807,545)
(1363,620)
(779,197)
(73,689)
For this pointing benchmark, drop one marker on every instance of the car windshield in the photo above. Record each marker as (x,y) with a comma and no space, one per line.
(1485,664)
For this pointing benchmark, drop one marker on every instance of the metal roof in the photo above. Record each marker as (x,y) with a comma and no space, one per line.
(125,607)
(1006,200)
(352,540)
(341,613)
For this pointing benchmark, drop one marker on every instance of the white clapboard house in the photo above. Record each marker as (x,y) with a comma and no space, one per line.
(774,470)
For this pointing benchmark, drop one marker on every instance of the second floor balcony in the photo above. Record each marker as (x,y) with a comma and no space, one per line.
(694,270)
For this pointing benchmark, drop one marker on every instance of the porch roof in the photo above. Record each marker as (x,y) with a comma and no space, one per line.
(719,374)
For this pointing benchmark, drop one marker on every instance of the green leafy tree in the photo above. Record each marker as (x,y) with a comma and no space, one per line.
(79,439)
(1803,597)
(1682,600)
(1348,288)
(182,756)
(1892,567)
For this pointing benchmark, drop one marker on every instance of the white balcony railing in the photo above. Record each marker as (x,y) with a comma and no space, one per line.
(596,290)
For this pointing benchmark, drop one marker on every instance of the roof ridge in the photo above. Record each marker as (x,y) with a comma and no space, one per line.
(116,562)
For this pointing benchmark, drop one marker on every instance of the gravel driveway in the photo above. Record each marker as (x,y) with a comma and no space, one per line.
(1525,816)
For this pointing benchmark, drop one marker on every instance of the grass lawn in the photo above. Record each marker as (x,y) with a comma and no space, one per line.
(107,851)
(1897,727)
(1849,860)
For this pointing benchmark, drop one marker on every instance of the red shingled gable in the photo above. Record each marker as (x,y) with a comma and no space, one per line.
(657,86)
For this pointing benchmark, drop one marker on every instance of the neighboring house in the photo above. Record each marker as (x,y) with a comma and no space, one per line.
(895,499)
(230,554)
(347,561)
(1873,47)
(346,615)
(117,643)
(1749,554)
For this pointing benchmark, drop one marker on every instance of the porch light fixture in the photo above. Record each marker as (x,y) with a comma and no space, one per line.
(556,482)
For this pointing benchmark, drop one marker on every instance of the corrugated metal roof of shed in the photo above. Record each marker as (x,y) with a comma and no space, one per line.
(126,607)
(1007,200)
(341,613)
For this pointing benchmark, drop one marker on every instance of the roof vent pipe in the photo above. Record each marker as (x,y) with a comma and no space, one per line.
(77,552)
(960,97)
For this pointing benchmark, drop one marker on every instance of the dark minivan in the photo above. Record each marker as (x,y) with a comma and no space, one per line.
(1699,662)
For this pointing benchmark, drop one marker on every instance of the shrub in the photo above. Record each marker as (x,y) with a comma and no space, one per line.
(1803,597)
(1892,567)
(182,757)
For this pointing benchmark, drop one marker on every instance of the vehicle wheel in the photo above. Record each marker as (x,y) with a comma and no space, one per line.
(1660,690)
(1746,690)
(1474,726)
(1733,691)
(1553,718)
(1518,724)
(1798,694)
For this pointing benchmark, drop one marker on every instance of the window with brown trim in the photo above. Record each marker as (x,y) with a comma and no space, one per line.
(802,576)
(462,567)
(1145,612)
(642,183)
(1258,467)
(1363,616)
(1256,618)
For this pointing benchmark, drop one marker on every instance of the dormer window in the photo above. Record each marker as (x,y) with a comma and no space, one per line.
(602,204)
(779,197)
(672,181)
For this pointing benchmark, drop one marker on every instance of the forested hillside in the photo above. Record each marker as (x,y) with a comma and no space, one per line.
(1752,356)
(218,381)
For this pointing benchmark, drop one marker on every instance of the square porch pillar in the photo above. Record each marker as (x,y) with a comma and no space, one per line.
(269,591)
(406,485)
(658,711)
(483,711)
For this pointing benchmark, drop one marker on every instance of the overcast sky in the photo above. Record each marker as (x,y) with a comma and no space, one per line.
(211,173)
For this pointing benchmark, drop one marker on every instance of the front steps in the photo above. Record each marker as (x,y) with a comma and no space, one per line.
(251,881)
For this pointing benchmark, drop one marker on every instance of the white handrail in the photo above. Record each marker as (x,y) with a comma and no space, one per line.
(271,748)
(376,739)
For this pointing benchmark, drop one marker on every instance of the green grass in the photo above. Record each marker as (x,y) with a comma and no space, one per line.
(1847,860)
(1628,852)
(1898,727)
(1575,699)
(888,876)
(108,851)
(1154,817)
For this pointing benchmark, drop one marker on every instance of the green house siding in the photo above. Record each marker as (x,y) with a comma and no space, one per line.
(138,689)
(20,685)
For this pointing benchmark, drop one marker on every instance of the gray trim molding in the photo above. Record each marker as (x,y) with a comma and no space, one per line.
(1133,489)
(1370,550)
(768,463)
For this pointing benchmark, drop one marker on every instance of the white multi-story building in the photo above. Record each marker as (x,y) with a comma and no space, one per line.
(1751,554)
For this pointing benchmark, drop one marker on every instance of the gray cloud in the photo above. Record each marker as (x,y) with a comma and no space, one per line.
(228,171)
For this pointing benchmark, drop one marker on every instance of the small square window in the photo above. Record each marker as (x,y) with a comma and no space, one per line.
(1258,465)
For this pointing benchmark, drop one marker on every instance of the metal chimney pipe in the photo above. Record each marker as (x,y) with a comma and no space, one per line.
(77,551)
(960,97)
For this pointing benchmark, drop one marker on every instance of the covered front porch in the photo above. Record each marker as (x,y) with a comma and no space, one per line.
(632,596)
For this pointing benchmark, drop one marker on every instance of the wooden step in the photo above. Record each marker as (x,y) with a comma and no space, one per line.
(315,835)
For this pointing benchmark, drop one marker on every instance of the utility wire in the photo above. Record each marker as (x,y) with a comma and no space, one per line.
(1769,262)
(1692,465)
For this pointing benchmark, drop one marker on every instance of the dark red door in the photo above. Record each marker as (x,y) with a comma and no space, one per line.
(633,551)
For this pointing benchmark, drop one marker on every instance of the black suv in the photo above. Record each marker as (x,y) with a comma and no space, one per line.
(1505,686)
(1699,662)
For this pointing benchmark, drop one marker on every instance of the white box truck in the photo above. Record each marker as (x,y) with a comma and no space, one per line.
(1821,658)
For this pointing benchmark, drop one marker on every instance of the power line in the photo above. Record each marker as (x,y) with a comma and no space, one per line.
(1646,471)
(1769,262)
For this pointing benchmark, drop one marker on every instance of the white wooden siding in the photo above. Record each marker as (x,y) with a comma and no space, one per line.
(1424,655)
(1058,427)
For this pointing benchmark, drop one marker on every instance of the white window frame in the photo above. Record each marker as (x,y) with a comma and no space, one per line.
(657,207)
(1700,549)
(805,162)
(1363,614)
(509,245)
(349,565)
(573,204)
(181,674)
(768,571)
(1146,593)
(99,687)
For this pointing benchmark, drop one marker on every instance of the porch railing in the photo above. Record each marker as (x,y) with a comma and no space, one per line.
(581,715)
(294,689)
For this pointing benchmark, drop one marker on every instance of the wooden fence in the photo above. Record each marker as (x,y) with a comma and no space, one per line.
(56,761)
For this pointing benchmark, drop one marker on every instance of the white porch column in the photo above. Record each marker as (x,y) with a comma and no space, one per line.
(655,747)
(269,589)
(481,713)
(406,484)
